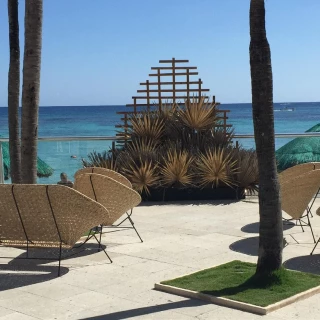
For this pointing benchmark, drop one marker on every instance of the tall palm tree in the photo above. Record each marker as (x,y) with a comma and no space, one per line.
(271,232)
(14,92)
(30,89)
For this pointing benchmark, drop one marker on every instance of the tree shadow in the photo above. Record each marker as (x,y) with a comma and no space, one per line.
(188,202)
(247,246)
(254,227)
(21,271)
(310,264)
(127,314)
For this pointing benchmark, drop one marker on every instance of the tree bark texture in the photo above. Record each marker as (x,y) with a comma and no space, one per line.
(30,89)
(271,232)
(14,92)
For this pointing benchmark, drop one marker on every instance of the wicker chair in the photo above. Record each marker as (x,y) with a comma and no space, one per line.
(105,172)
(112,194)
(296,194)
(46,216)
(298,170)
(120,178)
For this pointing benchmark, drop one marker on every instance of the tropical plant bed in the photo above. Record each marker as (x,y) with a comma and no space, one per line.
(175,194)
(234,285)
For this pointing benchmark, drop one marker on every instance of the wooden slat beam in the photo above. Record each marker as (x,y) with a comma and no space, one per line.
(166,97)
(177,68)
(170,74)
(169,61)
(131,112)
(177,90)
(168,83)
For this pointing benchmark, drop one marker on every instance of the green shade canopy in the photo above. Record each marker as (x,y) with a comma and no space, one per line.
(44,170)
(299,150)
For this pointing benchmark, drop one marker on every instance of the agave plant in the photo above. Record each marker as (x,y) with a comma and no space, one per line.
(142,146)
(104,160)
(147,125)
(216,167)
(198,114)
(175,169)
(142,174)
(248,174)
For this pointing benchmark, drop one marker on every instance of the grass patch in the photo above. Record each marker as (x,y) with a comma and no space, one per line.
(236,281)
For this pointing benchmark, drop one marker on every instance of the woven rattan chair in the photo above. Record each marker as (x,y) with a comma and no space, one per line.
(120,178)
(296,194)
(298,170)
(115,196)
(46,216)
(105,172)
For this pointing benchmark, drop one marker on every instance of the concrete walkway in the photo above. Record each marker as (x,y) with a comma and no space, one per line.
(178,239)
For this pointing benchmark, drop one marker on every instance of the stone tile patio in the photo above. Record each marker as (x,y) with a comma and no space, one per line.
(178,239)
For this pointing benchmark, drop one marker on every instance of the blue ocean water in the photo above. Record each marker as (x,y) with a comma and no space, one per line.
(101,121)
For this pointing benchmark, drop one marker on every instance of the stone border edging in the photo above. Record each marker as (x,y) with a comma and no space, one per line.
(225,302)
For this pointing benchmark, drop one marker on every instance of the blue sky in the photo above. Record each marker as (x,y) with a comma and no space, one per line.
(96,52)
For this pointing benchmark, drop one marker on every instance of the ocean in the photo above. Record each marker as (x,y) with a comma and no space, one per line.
(101,121)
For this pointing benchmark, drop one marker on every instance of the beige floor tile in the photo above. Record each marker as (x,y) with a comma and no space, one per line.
(17,316)
(89,300)
(53,290)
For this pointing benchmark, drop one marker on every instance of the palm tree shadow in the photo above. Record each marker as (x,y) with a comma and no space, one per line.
(309,264)
(249,283)
(254,227)
(247,246)
(21,271)
(188,202)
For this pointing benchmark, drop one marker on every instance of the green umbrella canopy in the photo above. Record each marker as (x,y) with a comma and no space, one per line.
(299,150)
(44,170)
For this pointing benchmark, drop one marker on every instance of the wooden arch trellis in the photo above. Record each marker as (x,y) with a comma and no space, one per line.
(156,93)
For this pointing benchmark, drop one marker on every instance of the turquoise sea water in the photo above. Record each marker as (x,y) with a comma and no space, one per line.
(101,121)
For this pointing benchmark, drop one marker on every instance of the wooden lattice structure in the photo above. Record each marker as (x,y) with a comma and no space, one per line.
(161,91)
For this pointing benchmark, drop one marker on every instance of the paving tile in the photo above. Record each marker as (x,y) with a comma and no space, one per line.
(178,239)
(53,290)
(89,300)
(37,306)
(5,312)
(17,316)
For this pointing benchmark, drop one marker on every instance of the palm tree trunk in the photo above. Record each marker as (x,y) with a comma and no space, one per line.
(271,233)
(14,92)
(30,89)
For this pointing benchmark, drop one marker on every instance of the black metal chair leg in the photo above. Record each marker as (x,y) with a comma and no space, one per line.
(134,227)
(315,246)
(89,236)
(103,249)
(100,235)
(314,240)
(60,251)
(301,225)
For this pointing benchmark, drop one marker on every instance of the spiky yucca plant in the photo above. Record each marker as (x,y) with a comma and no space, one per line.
(248,174)
(175,170)
(104,160)
(216,167)
(198,114)
(147,125)
(142,145)
(142,174)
